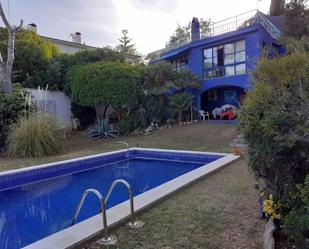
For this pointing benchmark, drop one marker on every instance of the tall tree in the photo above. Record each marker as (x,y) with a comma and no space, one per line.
(125,45)
(277,7)
(31,58)
(182,34)
(6,66)
(296,19)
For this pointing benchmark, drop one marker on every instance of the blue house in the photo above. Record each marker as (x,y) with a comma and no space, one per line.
(223,57)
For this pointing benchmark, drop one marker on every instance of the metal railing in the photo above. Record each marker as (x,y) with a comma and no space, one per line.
(133,222)
(106,237)
(127,145)
(223,26)
(232,23)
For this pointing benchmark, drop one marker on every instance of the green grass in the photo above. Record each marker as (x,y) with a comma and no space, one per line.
(217,212)
(204,137)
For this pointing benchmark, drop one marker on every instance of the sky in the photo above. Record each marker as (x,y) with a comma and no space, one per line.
(149,22)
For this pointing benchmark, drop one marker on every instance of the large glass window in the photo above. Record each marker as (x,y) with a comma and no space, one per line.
(225,60)
(180,63)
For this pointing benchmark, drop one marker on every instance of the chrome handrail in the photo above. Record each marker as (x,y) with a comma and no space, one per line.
(114,184)
(127,145)
(108,240)
(106,237)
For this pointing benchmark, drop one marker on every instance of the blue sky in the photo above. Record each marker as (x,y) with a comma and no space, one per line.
(150,22)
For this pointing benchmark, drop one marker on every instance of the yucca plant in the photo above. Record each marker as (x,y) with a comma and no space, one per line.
(102,129)
(35,136)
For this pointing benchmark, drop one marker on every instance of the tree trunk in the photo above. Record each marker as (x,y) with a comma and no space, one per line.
(6,79)
(6,67)
(180,117)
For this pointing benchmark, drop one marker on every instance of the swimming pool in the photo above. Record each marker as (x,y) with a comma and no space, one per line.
(40,201)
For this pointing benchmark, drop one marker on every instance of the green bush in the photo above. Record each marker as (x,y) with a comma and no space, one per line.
(85,114)
(109,83)
(32,56)
(36,136)
(274,121)
(296,222)
(11,108)
(130,123)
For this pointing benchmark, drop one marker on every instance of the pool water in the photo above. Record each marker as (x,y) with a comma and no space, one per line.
(33,211)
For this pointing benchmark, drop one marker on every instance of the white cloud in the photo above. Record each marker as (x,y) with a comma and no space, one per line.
(149,22)
(151,27)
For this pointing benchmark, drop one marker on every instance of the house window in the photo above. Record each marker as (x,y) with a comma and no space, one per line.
(225,60)
(230,97)
(180,63)
(212,95)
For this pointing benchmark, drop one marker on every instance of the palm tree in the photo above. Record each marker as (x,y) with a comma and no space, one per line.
(180,103)
(159,78)
(184,88)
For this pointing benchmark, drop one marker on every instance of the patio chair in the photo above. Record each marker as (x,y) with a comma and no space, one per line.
(216,112)
(203,115)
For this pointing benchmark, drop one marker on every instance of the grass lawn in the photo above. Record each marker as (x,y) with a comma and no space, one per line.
(219,211)
(200,136)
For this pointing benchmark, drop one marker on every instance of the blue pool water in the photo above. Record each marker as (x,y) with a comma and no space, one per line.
(33,211)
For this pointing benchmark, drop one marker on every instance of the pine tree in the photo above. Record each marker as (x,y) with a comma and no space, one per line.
(125,45)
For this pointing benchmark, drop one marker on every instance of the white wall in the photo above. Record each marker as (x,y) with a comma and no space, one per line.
(56,103)
(65,49)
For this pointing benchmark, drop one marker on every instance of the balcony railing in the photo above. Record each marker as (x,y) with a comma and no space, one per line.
(232,23)
(223,26)
(228,25)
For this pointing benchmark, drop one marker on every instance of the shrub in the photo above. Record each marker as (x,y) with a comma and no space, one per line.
(296,222)
(109,83)
(274,121)
(36,136)
(130,123)
(85,114)
(11,108)
(32,56)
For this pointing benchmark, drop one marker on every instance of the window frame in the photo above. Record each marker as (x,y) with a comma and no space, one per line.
(180,63)
(219,71)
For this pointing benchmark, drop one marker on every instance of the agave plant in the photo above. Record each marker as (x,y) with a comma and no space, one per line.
(102,129)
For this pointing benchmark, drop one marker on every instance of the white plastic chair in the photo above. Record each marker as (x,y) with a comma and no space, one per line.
(216,112)
(203,115)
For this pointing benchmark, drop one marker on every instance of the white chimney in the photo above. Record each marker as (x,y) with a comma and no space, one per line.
(32,27)
(77,37)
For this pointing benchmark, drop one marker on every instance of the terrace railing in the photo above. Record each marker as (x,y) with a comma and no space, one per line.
(232,24)
(223,26)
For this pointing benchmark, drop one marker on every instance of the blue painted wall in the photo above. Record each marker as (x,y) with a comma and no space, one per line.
(208,105)
(255,37)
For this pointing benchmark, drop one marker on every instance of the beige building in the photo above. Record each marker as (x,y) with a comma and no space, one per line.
(75,45)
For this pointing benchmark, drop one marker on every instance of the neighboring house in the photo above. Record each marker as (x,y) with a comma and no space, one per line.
(71,47)
(223,60)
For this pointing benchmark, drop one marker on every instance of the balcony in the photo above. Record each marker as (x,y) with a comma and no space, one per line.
(235,23)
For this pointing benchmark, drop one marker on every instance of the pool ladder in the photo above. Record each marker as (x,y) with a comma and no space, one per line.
(109,239)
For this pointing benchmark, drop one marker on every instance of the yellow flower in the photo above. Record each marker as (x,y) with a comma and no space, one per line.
(270,208)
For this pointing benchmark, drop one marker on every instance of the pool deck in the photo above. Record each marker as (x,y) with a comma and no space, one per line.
(91,227)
